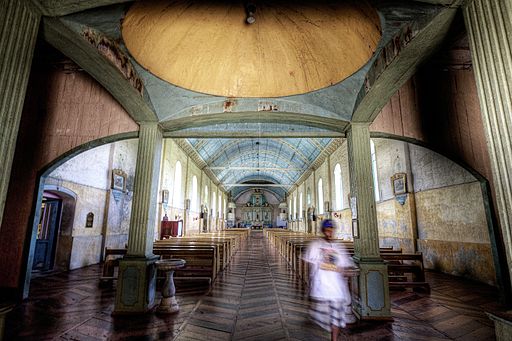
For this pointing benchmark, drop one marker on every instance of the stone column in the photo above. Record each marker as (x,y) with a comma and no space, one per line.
(137,272)
(489,26)
(370,291)
(18,32)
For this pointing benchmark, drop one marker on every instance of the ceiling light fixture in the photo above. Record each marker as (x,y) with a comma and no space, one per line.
(250,9)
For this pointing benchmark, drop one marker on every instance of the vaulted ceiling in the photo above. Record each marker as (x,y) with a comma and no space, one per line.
(258,104)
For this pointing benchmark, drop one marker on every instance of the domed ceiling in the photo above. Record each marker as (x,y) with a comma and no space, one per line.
(255,105)
(293,47)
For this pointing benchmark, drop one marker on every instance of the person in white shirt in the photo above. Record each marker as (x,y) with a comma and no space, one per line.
(328,287)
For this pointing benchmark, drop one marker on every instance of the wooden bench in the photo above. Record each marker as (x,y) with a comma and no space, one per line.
(224,246)
(112,257)
(202,260)
(405,270)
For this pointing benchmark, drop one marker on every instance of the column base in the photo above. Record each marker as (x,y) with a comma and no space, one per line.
(136,285)
(502,325)
(370,291)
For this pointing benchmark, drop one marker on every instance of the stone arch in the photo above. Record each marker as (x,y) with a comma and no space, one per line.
(42,174)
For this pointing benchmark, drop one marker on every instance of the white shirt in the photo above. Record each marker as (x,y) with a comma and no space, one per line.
(327,283)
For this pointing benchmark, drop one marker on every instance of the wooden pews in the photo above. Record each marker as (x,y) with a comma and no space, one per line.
(404,270)
(206,254)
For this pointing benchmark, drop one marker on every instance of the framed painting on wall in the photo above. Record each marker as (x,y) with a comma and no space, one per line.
(118,180)
(399,183)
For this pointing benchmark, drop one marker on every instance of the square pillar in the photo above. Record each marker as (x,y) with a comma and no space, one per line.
(136,285)
(370,290)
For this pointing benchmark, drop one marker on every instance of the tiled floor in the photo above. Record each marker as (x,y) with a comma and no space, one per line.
(256,298)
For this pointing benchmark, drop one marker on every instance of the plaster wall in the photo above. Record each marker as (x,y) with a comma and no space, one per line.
(432,170)
(171,154)
(88,176)
(452,232)
(391,158)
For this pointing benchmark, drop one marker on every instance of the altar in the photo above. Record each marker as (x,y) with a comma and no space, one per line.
(257,212)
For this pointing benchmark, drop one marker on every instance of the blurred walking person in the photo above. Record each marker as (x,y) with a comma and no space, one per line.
(328,286)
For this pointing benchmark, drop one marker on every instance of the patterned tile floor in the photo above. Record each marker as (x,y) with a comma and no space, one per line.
(257,297)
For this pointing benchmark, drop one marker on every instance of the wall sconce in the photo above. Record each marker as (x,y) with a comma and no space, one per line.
(250,9)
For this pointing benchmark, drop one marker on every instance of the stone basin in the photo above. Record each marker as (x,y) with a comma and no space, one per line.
(168,304)
(169,264)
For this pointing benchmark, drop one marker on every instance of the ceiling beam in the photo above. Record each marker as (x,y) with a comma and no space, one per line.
(400,69)
(259,168)
(204,134)
(258,185)
(56,8)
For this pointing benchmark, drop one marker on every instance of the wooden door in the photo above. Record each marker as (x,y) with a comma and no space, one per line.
(47,229)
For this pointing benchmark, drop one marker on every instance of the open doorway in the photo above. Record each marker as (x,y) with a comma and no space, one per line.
(47,232)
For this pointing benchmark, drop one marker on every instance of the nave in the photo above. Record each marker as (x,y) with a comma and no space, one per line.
(256,297)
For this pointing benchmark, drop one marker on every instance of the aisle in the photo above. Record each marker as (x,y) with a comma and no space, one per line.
(256,298)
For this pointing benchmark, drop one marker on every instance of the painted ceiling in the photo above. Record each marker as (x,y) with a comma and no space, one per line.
(244,135)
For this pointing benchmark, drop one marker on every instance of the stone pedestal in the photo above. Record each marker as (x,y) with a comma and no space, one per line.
(136,286)
(370,291)
(168,304)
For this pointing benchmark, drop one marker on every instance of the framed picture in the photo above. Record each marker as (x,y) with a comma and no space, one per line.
(165,196)
(118,180)
(399,183)
(355,229)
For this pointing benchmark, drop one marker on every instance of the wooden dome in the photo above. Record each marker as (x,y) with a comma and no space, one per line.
(294,47)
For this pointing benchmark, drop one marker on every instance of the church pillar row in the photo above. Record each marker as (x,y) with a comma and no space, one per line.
(137,273)
(489,24)
(370,291)
(18,32)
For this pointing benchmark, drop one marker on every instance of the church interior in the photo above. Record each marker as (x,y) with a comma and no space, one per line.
(166,163)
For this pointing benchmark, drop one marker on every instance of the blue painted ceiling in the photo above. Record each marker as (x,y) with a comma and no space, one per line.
(270,162)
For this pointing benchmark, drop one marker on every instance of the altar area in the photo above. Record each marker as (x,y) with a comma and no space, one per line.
(257,212)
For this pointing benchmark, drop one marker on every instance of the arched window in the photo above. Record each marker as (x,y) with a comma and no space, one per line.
(206,195)
(193,200)
(300,206)
(374,172)
(176,192)
(290,213)
(338,187)
(320,197)
(295,206)
(308,197)
(214,208)
(224,208)
(220,205)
